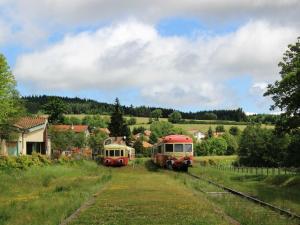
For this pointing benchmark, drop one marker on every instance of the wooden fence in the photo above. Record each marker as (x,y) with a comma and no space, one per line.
(256,170)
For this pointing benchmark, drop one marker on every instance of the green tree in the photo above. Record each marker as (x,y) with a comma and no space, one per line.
(210,133)
(131,121)
(94,121)
(253,145)
(217,146)
(96,141)
(175,117)
(139,148)
(220,128)
(209,116)
(232,144)
(11,107)
(117,125)
(55,109)
(235,131)
(153,138)
(286,92)
(161,128)
(156,114)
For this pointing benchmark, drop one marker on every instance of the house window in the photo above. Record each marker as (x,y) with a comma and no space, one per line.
(178,147)
(169,148)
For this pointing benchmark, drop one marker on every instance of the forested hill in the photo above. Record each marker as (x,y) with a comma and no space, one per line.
(34,104)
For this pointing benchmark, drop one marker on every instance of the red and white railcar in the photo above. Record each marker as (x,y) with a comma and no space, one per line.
(174,152)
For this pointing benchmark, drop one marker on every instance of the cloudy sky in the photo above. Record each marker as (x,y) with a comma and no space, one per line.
(189,55)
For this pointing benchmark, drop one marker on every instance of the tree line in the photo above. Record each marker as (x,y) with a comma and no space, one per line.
(35,104)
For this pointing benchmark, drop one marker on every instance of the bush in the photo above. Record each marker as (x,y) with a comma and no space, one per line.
(220,128)
(23,161)
(131,121)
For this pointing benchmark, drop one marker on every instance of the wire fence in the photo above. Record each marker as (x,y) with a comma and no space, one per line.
(269,171)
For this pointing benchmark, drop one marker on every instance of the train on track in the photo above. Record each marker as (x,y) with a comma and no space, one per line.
(116,154)
(174,152)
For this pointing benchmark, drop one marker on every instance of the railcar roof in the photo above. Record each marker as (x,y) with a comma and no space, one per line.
(176,138)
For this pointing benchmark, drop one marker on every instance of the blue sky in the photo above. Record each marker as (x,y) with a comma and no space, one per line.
(192,55)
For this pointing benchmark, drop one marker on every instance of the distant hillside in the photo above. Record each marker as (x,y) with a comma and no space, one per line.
(34,104)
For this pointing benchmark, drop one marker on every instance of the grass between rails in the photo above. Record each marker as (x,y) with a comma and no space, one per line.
(139,196)
(242,210)
(279,190)
(47,195)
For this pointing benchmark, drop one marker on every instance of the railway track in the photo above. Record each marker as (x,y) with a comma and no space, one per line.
(248,197)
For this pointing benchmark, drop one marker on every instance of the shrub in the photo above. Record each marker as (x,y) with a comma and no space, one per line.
(23,161)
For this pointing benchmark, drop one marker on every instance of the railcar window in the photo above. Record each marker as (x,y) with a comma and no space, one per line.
(111,153)
(122,152)
(188,148)
(169,147)
(106,153)
(159,149)
(178,148)
(117,152)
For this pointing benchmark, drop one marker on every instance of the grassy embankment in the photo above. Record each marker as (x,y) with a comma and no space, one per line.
(280,190)
(47,195)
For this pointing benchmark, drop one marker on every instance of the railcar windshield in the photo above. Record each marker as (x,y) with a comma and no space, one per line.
(178,148)
(117,152)
(111,153)
(169,148)
(188,148)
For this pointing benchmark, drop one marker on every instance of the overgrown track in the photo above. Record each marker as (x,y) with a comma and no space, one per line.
(250,198)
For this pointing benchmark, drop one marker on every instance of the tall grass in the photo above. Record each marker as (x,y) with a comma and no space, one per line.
(47,195)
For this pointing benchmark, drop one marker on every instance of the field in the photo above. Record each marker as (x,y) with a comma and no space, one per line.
(143,121)
(138,194)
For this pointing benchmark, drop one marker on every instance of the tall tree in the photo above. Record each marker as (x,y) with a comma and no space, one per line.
(286,92)
(55,109)
(156,114)
(117,125)
(10,104)
(175,117)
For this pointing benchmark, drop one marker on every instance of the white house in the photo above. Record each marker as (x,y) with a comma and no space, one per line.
(32,136)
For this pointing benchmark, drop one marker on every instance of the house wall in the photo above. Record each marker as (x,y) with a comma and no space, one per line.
(36,135)
(3,149)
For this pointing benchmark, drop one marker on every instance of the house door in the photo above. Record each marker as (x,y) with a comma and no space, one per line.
(12,148)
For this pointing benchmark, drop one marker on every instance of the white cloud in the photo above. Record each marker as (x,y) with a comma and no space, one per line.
(170,70)
(38,19)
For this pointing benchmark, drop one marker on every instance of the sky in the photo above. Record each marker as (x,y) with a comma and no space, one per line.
(189,55)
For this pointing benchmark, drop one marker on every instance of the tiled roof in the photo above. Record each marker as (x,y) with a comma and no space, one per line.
(29,122)
(105,130)
(147,144)
(75,128)
(147,132)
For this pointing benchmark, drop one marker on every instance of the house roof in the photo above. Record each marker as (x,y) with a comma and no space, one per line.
(30,122)
(147,132)
(105,130)
(75,128)
(147,144)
